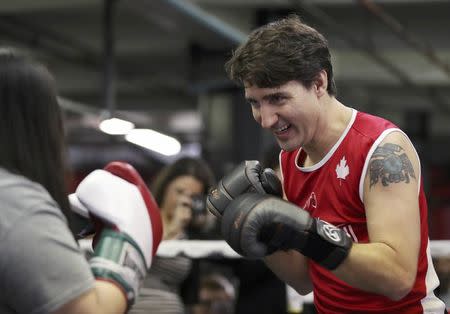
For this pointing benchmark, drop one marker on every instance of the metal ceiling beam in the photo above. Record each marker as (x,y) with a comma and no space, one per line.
(212,22)
(398,29)
(77,107)
(283,3)
(61,47)
(23,6)
(344,34)
(57,45)
(327,20)
(109,66)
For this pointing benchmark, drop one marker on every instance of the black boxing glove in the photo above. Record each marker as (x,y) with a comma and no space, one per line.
(256,225)
(249,176)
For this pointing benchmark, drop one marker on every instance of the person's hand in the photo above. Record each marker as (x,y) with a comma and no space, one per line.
(181,218)
(200,220)
(183,213)
(249,176)
(256,225)
(129,226)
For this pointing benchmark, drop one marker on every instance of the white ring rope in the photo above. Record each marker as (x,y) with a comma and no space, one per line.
(219,248)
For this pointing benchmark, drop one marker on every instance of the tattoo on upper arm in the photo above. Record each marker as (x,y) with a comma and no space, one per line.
(390,164)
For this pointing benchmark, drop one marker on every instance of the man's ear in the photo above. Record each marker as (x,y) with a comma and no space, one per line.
(321,83)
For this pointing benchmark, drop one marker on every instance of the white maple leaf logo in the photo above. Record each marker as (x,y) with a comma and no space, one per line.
(342,169)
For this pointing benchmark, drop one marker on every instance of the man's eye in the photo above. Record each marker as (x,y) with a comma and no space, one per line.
(277,98)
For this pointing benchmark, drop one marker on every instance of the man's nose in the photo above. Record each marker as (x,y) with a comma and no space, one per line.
(268,117)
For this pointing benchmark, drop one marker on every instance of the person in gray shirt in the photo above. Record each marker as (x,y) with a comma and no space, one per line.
(42,269)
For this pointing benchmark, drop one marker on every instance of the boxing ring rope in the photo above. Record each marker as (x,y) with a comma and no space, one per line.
(219,248)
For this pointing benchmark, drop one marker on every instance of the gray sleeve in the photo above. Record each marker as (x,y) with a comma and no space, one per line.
(41,267)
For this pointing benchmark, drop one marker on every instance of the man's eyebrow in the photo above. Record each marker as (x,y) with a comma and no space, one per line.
(271,95)
(268,96)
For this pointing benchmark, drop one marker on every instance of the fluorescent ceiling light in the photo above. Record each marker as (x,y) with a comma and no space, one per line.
(154,141)
(115,126)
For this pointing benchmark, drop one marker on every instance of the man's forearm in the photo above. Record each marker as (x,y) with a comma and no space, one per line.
(376,267)
(292,268)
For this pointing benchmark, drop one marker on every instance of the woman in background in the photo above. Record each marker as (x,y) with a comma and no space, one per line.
(180,190)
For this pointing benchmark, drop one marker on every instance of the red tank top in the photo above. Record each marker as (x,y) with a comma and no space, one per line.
(332,191)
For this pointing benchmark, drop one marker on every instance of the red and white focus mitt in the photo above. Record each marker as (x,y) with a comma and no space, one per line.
(128,221)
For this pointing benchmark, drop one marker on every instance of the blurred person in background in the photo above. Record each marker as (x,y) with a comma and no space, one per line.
(42,269)
(216,295)
(180,189)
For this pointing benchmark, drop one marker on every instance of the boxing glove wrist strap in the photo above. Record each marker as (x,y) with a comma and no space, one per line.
(327,245)
(118,259)
(324,243)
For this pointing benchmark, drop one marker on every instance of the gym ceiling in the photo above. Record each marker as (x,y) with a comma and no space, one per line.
(159,63)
